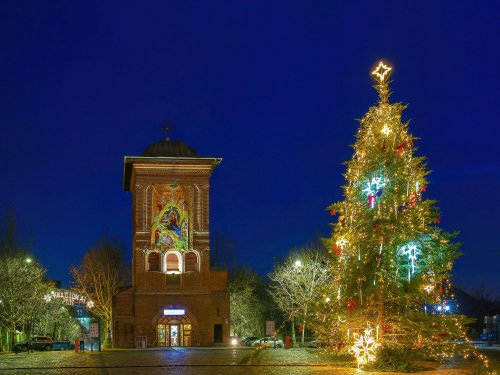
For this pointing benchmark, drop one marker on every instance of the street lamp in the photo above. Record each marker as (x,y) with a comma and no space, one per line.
(298,263)
(28,260)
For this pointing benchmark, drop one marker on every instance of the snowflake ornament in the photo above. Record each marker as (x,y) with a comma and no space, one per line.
(411,251)
(386,130)
(364,347)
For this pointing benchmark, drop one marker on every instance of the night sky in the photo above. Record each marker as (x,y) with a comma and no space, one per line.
(273,88)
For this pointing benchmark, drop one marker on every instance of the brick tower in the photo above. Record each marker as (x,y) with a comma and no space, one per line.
(175,299)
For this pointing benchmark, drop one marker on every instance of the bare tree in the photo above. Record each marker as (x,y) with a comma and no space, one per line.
(98,277)
(296,282)
(22,289)
(246,307)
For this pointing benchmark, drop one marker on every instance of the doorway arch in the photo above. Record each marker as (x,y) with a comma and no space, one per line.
(174,331)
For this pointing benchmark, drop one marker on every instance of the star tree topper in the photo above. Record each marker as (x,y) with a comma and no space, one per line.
(382,72)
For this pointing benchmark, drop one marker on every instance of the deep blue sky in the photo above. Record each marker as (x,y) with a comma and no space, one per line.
(271,87)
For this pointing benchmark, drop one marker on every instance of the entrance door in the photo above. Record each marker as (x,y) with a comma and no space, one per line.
(217,333)
(174,335)
(161,335)
(174,331)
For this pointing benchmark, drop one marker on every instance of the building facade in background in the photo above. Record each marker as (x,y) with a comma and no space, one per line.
(175,298)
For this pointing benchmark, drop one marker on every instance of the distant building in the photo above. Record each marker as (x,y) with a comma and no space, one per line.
(175,298)
(491,330)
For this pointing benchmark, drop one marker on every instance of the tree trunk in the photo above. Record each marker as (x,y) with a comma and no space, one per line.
(303,333)
(294,340)
(13,337)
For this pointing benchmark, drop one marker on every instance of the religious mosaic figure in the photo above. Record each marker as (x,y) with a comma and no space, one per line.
(170,229)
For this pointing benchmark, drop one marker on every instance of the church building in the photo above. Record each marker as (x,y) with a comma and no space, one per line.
(175,298)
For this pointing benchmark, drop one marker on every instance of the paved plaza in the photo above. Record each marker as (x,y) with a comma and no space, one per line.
(194,361)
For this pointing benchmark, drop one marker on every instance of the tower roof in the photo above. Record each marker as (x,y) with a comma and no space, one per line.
(168,148)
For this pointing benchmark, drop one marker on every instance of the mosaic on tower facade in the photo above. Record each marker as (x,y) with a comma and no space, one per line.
(172,224)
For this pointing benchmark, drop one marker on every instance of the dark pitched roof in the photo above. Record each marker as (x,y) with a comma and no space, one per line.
(169,148)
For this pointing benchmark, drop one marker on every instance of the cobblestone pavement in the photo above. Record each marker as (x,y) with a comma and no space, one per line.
(191,361)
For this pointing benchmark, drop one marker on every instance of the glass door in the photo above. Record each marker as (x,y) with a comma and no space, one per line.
(174,335)
(161,335)
(186,335)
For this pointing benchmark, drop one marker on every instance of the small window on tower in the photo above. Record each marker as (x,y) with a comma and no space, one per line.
(172,262)
(153,262)
(191,262)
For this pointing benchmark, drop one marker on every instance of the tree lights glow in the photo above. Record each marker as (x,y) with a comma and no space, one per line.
(380,239)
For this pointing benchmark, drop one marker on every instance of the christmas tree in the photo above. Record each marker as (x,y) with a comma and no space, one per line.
(391,261)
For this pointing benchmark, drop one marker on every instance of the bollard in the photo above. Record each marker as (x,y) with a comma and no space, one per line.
(287,342)
(76,345)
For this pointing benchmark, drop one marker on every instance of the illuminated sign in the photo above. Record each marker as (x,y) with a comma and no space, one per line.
(174,312)
(68,297)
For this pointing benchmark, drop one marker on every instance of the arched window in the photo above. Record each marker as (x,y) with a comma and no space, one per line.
(153,262)
(191,261)
(172,262)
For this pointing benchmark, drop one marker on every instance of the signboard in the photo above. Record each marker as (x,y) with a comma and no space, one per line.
(94,330)
(174,312)
(68,297)
(270,327)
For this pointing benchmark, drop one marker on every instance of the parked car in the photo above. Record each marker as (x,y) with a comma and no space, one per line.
(63,345)
(270,342)
(313,344)
(35,343)
(41,343)
(22,346)
(248,341)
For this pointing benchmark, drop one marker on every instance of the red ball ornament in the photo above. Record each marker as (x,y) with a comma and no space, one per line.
(400,148)
(423,188)
(336,249)
(413,199)
(340,345)
(351,305)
